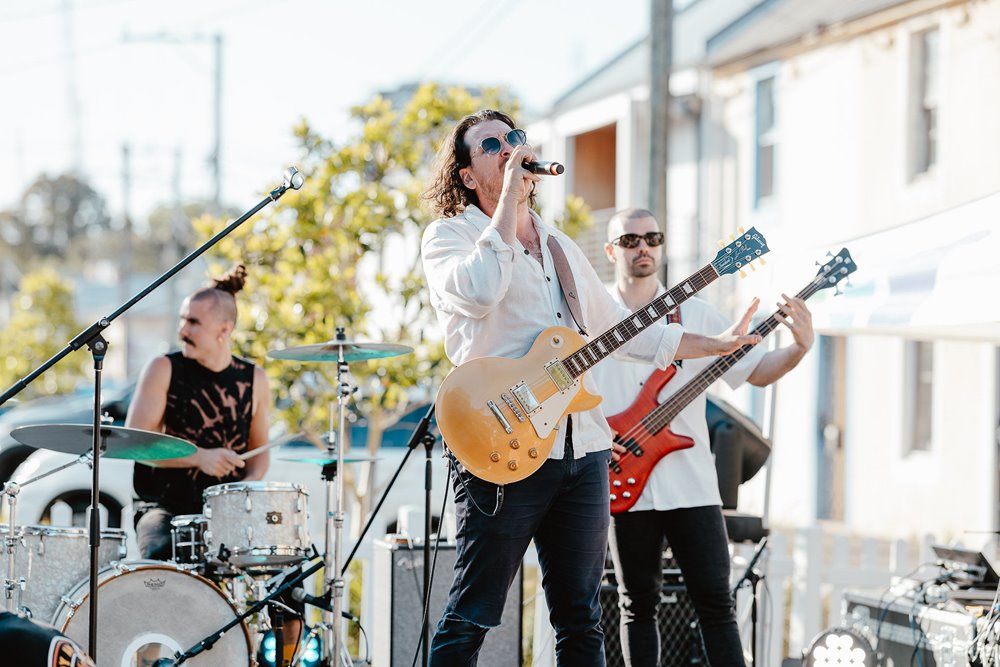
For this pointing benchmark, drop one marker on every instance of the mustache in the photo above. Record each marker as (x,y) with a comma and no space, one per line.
(185,339)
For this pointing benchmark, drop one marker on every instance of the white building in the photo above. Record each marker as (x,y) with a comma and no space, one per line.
(827,124)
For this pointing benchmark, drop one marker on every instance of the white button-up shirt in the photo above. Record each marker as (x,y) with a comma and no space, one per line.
(686,477)
(493,299)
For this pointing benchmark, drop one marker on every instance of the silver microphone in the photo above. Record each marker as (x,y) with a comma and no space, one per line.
(294,178)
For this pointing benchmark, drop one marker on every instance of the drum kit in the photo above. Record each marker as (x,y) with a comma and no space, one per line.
(251,542)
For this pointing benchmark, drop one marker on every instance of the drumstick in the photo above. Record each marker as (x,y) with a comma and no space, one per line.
(274,443)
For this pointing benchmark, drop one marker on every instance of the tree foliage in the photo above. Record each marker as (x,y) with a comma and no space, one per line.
(41,322)
(344,252)
(54,213)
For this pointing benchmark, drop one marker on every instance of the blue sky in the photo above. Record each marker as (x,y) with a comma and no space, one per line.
(82,78)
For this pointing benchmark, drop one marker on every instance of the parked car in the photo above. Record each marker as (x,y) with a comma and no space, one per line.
(68,491)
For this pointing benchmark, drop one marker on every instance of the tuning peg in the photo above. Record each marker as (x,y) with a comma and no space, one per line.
(752,267)
(740,230)
(732,237)
(836,291)
(829,254)
(848,283)
(722,244)
(763,262)
(743,274)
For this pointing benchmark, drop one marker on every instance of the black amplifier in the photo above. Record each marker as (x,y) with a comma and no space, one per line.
(907,632)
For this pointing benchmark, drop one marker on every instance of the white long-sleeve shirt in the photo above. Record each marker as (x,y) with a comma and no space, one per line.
(493,299)
(687,477)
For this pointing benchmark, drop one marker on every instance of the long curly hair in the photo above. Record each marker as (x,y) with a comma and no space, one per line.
(447,192)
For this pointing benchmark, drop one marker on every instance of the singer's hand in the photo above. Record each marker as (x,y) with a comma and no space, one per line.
(517,181)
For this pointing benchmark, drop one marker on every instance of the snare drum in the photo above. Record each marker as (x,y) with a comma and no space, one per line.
(257,523)
(149,610)
(187,535)
(52,560)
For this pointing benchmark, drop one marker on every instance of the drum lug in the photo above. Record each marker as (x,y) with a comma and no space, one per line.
(249,503)
(249,536)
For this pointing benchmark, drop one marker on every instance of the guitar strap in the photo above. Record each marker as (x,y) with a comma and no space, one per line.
(564,273)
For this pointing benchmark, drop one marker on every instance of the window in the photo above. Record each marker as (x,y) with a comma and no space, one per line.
(919,394)
(925,80)
(764,140)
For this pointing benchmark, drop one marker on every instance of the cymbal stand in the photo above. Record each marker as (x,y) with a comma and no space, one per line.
(10,584)
(333,477)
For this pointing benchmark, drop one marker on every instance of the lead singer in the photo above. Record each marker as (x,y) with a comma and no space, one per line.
(494,285)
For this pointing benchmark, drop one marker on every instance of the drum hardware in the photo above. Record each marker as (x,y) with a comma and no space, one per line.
(342,351)
(92,443)
(93,339)
(208,642)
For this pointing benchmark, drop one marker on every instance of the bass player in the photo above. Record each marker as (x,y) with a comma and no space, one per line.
(681,501)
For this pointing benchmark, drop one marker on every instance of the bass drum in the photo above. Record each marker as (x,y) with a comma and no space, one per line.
(149,610)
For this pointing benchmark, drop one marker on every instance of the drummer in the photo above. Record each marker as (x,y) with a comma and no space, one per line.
(208,396)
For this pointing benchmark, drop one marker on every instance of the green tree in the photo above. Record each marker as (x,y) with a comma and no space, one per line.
(41,322)
(323,257)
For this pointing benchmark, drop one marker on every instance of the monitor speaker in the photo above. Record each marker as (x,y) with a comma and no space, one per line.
(398,607)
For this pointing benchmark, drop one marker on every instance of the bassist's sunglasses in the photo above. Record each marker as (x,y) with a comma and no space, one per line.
(652,239)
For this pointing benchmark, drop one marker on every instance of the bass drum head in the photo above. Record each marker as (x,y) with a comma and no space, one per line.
(149,610)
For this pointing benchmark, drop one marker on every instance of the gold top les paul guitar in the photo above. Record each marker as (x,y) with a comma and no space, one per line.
(499,416)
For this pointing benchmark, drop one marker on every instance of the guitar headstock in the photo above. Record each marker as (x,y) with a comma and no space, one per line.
(740,252)
(837,269)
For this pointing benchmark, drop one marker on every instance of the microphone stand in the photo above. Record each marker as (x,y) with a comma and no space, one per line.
(752,577)
(96,343)
(421,435)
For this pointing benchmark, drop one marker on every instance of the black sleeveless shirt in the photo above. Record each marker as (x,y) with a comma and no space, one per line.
(208,409)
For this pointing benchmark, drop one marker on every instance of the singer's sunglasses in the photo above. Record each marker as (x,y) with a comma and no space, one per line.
(652,239)
(492,145)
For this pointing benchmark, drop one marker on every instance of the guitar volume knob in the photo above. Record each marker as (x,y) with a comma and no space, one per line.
(626,495)
(533,453)
(494,456)
(616,482)
(514,444)
(512,465)
(614,496)
(631,480)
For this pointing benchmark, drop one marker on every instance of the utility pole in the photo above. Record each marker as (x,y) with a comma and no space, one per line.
(660,61)
(125,272)
(215,157)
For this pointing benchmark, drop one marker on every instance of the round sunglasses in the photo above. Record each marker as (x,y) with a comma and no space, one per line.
(652,239)
(492,145)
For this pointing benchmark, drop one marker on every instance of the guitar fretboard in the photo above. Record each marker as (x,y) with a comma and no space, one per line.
(665,413)
(583,359)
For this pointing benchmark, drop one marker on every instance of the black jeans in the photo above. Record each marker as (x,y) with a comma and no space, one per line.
(697,537)
(563,506)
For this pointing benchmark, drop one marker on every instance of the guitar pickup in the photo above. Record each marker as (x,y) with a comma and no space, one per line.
(562,378)
(499,415)
(523,394)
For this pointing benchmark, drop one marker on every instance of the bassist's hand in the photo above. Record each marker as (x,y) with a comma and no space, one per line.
(616,449)
(693,345)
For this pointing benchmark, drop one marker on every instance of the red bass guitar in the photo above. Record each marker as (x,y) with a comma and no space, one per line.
(643,428)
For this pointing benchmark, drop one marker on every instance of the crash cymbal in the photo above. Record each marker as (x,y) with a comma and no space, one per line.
(323,458)
(330,351)
(118,442)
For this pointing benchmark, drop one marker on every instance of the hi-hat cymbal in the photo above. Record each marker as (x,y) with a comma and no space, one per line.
(323,458)
(117,442)
(331,350)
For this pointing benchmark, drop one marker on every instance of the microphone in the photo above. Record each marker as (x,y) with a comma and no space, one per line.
(293,178)
(299,595)
(543,167)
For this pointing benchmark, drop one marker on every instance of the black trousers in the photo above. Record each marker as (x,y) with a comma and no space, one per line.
(697,537)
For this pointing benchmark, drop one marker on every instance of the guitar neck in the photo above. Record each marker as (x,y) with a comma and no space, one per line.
(587,356)
(665,413)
